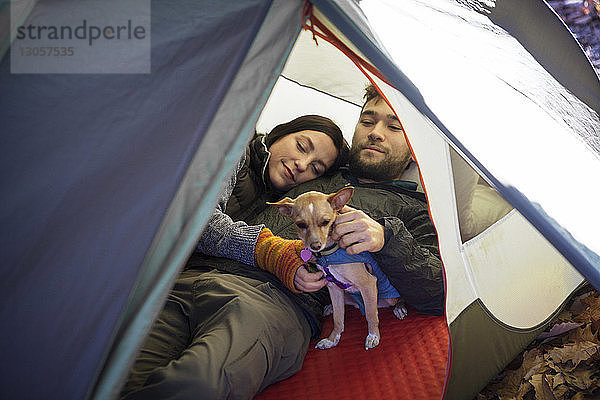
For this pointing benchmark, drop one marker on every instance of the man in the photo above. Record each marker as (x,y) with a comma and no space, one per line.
(238,329)
(378,158)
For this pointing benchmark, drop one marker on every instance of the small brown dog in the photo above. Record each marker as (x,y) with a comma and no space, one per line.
(314,214)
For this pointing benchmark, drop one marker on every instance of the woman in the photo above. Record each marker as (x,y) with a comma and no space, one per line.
(292,153)
(204,342)
(285,158)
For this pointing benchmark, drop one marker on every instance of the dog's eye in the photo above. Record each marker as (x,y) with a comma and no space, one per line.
(325,222)
(301,225)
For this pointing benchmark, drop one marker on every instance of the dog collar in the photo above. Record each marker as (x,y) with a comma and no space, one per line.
(306,253)
(325,252)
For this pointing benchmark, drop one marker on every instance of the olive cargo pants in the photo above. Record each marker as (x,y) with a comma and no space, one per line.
(219,336)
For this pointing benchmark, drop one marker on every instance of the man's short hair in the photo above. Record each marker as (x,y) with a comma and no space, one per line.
(371,93)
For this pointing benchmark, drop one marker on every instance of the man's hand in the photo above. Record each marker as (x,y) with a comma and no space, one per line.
(308,281)
(356,232)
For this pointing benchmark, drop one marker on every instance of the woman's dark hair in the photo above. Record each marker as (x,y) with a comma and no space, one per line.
(314,123)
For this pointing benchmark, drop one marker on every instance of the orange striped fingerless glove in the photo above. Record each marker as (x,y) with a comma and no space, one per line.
(279,256)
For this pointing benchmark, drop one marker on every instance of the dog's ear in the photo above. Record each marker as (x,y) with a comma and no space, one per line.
(285,206)
(339,199)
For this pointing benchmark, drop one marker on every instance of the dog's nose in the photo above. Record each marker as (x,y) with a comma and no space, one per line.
(315,246)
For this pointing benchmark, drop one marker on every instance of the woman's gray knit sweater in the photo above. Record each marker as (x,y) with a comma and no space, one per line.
(222,237)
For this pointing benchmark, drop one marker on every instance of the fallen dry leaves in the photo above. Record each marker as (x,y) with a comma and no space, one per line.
(563,363)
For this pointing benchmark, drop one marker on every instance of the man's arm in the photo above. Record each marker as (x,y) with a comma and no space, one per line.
(410,260)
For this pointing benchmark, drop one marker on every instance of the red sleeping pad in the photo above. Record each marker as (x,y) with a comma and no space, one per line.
(409,363)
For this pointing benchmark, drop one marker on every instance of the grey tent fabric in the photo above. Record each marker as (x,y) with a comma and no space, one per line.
(90,165)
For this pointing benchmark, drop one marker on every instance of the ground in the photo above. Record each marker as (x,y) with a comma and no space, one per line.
(562,363)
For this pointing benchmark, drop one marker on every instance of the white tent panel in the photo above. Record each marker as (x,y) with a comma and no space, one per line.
(321,65)
(338,86)
(518,275)
(289,100)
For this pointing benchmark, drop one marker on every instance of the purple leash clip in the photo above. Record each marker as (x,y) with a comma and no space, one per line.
(305,254)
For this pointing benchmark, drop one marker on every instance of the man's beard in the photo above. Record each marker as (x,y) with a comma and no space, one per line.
(386,169)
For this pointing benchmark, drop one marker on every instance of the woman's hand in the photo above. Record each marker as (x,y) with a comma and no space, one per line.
(308,281)
(356,232)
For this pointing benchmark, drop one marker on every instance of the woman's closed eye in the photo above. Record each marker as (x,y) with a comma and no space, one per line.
(301,146)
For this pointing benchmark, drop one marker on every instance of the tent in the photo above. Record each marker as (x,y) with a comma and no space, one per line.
(108,178)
